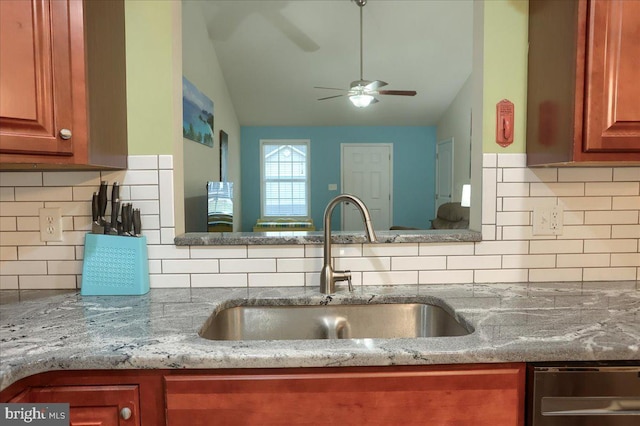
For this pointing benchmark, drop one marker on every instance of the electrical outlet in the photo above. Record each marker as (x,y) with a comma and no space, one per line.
(548,220)
(50,224)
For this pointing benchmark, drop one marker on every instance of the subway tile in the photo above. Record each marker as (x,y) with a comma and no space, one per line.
(225,252)
(611,188)
(445,249)
(40,193)
(526,203)
(512,160)
(489,233)
(513,218)
(312,279)
(132,177)
(422,263)
(144,192)
(147,207)
(34,282)
(625,231)
(626,203)
(64,267)
(8,253)
(84,193)
(530,175)
(28,223)
(585,232)
(489,194)
(79,252)
(517,233)
(625,259)
(489,160)
(219,280)
(572,217)
(165,162)
(247,265)
(275,251)
(390,278)
(585,203)
(7,194)
(276,280)
(81,223)
(474,262)
(560,189)
(502,247)
(71,208)
(20,239)
(169,281)
(155,266)
(518,261)
(611,246)
(46,253)
(556,246)
(363,263)
(626,174)
(190,266)
(583,260)
(167,217)
(167,252)
(307,264)
(583,174)
(20,178)
(501,275)
(142,162)
(609,274)
(513,189)
(555,275)
(445,277)
(499,174)
(8,224)
(76,178)
(9,282)
(23,267)
(70,238)
(614,217)
(341,250)
(20,209)
(167,235)
(407,249)
(150,221)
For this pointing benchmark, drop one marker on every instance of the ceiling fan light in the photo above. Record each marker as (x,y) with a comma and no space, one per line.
(361,101)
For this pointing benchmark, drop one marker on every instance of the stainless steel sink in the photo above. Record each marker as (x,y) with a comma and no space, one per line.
(385,321)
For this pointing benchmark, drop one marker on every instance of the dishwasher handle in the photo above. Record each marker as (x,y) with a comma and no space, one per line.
(590,406)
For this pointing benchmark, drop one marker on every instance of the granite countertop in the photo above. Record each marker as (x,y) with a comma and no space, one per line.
(44,330)
(315,237)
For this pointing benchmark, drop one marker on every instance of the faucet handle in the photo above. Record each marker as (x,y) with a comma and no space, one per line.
(347,274)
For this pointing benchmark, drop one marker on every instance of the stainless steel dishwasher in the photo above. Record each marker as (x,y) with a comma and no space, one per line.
(584,395)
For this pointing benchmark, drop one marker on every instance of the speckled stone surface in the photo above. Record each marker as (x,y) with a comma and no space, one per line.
(303,237)
(43,330)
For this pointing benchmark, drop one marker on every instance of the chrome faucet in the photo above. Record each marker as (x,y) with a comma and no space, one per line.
(328,276)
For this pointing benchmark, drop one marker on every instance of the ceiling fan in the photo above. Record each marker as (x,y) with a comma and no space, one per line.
(362,93)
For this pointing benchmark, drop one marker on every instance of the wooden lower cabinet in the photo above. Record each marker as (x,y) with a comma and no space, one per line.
(451,395)
(446,395)
(90,405)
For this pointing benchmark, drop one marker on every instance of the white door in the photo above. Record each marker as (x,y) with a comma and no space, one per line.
(444,172)
(367,173)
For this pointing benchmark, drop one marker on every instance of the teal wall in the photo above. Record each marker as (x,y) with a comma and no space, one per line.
(413,168)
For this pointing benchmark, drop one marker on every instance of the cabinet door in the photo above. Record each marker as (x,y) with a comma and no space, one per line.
(90,405)
(35,70)
(469,396)
(612,79)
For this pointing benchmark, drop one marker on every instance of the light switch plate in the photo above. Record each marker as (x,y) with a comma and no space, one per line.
(548,220)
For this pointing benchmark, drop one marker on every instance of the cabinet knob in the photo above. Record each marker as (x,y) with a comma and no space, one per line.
(65,134)
(125,413)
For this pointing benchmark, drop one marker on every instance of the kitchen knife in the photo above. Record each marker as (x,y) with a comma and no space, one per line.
(96,227)
(115,209)
(137,222)
(102,202)
(126,219)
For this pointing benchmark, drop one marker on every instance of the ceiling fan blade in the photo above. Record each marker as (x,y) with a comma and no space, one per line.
(374,85)
(398,92)
(330,97)
(329,88)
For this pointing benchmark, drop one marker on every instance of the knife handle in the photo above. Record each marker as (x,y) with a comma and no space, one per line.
(115,191)
(95,213)
(115,209)
(102,199)
(137,222)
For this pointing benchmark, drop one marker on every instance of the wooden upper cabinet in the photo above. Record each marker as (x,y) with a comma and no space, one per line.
(62,84)
(583,104)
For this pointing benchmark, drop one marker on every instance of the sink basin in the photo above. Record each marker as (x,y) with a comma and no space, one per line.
(384,321)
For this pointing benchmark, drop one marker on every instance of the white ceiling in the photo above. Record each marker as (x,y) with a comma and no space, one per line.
(273,53)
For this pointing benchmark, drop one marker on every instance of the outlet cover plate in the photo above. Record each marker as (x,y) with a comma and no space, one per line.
(50,224)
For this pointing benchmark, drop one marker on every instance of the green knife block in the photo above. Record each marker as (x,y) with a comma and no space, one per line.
(115,265)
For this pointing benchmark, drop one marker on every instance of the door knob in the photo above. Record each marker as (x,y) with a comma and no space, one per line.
(65,134)
(125,413)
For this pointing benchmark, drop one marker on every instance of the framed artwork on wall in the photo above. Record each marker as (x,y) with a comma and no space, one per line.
(197,114)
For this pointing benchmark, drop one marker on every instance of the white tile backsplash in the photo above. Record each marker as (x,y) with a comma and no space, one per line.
(600,240)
